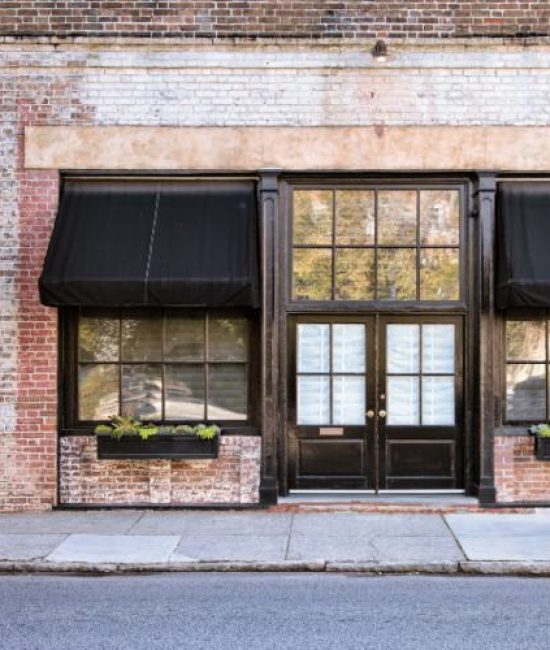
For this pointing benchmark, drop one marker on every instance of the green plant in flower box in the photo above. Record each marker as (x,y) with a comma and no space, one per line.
(121,426)
(124,425)
(542,430)
(203,431)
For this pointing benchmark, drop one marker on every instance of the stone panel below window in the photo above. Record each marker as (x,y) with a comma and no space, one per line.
(232,478)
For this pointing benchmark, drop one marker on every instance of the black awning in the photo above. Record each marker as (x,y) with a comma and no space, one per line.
(129,243)
(523,245)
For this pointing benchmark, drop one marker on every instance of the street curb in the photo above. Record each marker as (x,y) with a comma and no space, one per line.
(495,567)
(446,567)
(42,566)
(487,568)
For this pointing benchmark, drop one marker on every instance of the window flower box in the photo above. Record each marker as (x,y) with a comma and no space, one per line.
(126,438)
(542,447)
(161,446)
(541,432)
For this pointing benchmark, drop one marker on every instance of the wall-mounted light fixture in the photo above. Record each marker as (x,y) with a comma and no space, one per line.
(380,51)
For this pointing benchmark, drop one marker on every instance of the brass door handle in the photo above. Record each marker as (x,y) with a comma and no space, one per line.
(370,413)
(382,413)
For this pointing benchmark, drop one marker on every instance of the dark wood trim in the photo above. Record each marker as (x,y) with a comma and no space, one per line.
(489,354)
(68,394)
(268,191)
(375,306)
(416,184)
(429,433)
(282,328)
(464,183)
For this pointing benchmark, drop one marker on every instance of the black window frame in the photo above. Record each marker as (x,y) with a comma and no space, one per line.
(527,315)
(69,424)
(306,306)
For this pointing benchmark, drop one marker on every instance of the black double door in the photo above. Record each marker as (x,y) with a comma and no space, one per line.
(376,403)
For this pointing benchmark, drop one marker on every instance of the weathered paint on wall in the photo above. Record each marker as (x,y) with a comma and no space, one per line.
(425,148)
(232,478)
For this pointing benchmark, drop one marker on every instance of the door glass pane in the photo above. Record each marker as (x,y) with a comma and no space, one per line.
(184,337)
(227,392)
(184,392)
(397,217)
(348,400)
(312,217)
(142,338)
(313,347)
(354,274)
(439,217)
(142,391)
(227,339)
(525,340)
(438,348)
(526,391)
(403,349)
(402,401)
(438,400)
(97,392)
(312,274)
(98,338)
(397,274)
(439,278)
(348,348)
(313,400)
(354,217)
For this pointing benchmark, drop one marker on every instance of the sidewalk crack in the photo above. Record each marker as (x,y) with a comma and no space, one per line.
(289,535)
(136,522)
(457,541)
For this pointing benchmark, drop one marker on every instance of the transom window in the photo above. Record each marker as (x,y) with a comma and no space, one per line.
(527,364)
(376,244)
(170,365)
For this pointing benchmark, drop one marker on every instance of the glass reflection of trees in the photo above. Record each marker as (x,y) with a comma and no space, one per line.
(386,244)
(166,365)
(526,370)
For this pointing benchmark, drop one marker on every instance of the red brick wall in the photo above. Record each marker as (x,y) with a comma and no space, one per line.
(519,476)
(33,446)
(349,19)
(232,478)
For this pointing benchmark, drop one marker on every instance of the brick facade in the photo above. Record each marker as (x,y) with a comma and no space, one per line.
(231,479)
(306,19)
(519,476)
(158,82)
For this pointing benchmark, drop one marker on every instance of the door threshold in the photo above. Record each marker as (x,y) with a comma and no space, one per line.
(437,498)
(376,492)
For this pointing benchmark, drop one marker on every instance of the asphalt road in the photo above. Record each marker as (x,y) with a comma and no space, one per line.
(256,611)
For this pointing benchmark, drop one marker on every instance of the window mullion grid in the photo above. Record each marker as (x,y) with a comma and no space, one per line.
(120,361)
(206,357)
(546,363)
(163,368)
(375,280)
(421,373)
(418,251)
(333,284)
(330,375)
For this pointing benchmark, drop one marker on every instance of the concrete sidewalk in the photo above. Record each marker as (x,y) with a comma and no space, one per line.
(132,540)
